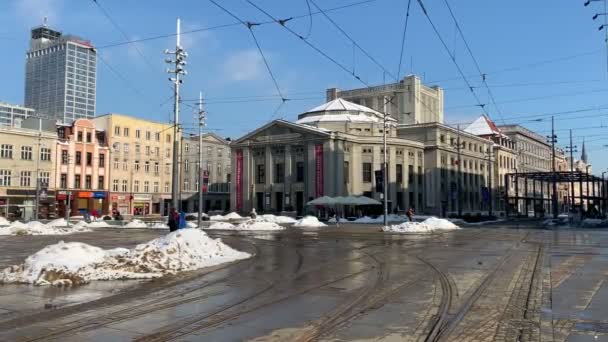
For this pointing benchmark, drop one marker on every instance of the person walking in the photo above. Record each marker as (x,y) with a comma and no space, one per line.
(173,220)
(410,214)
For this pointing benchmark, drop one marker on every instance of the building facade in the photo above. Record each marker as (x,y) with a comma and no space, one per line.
(26,155)
(141,153)
(335,149)
(12,115)
(61,74)
(82,172)
(216,168)
(408,101)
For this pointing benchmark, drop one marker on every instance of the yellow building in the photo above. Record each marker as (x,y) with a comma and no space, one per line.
(140,163)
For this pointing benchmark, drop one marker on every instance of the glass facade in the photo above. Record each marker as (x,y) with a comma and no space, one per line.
(12,115)
(61,78)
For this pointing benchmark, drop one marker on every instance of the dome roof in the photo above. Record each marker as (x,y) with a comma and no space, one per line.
(340,110)
(342,105)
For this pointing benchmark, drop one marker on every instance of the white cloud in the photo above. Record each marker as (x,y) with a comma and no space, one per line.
(34,11)
(244,65)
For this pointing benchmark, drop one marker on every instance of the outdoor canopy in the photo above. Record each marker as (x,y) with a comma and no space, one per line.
(343,200)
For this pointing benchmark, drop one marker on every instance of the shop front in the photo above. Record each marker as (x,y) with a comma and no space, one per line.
(90,202)
(20,204)
(64,199)
(142,204)
(120,202)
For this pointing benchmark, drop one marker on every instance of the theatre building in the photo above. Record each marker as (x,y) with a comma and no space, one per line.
(82,170)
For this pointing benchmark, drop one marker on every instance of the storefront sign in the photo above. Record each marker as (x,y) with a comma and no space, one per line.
(85,194)
(63,195)
(239,179)
(319,170)
(141,197)
(99,194)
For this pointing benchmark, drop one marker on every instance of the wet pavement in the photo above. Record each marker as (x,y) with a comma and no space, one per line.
(333,284)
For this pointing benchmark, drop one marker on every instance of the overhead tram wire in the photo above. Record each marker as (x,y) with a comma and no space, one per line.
(481,74)
(203,29)
(407,19)
(353,41)
(282,22)
(249,26)
(447,49)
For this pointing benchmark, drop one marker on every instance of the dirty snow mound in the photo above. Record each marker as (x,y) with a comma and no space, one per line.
(258,224)
(60,222)
(4,221)
(232,216)
(38,228)
(309,221)
(277,219)
(80,224)
(429,225)
(99,224)
(221,225)
(159,225)
(438,223)
(191,225)
(75,263)
(135,223)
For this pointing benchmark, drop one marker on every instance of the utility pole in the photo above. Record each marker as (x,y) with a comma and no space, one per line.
(384,171)
(37,156)
(571,149)
(201,124)
(490,181)
(179,62)
(553,139)
(459,172)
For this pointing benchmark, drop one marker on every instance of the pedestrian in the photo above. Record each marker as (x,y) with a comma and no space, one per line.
(173,220)
(410,214)
(253,214)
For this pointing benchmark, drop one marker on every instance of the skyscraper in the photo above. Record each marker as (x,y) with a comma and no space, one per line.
(61,74)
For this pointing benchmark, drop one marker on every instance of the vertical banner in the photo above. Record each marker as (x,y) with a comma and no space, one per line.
(318,170)
(239,179)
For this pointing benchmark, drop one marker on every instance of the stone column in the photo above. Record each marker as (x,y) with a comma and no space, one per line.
(338,175)
(268,168)
(310,172)
(288,178)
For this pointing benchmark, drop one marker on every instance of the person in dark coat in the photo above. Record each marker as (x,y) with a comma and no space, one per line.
(173,220)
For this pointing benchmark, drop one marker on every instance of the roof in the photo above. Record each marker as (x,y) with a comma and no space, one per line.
(295,125)
(343,106)
(483,126)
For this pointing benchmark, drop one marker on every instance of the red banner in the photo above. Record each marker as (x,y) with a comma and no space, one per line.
(318,170)
(239,179)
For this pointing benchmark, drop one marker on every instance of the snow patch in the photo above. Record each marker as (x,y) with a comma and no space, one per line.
(258,224)
(309,221)
(4,221)
(55,227)
(99,224)
(75,263)
(159,225)
(135,223)
(232,216)
(277,219)
(221,225)
(429,225)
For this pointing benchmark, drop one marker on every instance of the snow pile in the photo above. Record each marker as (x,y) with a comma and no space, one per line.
(135,223)
(232,216)
(593,223)
(38,228)
(80,225)
(429,225)
(75,263)
(221,225)
(380,219)
(4,221)
(309,221)
(99,224)
(258,224)
(277,219)
(217,218)
(191,225)
(159,225)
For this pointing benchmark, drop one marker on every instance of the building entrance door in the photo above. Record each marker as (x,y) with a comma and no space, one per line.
(279,201)
(299,202)
(259,200)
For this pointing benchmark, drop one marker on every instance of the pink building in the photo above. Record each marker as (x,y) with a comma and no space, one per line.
(82,173)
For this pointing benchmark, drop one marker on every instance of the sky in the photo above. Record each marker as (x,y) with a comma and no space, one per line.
(540,58)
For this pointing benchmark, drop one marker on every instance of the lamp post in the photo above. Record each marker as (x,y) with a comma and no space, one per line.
(587,181)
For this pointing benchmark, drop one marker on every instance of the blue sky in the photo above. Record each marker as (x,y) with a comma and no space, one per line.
(540,57)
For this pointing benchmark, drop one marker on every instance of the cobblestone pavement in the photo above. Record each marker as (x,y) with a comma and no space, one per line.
(335,284)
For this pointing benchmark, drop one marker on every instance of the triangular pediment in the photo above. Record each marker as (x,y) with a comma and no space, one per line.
(280,130)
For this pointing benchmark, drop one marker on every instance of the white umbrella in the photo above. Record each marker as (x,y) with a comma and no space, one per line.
(323,201)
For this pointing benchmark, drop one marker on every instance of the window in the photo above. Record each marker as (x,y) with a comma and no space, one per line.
(125,132)
(260,175)
(156,187)
(136,166)
(147,167)
(148,135)
(89,158)
(125,185)
(367,172)
(117,147)
(186,165)
(116,130)
(89,137)
(419,175)
(116,164)
(135,186)
(346,172)
(6,151)
(125,165)
(87,182)
(166,186)
(299,171)
(146,186)
(137,133)
(168,138)
(220,152)
(63,181)
(167,169)
(157,151)
(115,185)
(186,185)
(5,177)
(126,148)
(410,174)
(102,160)
(26,152)
(44,178)
(26,178)
(157,136)
(45,154)
(279,173)
(147,150)
(137,148)
(187,147)
(209,150)
(399,173)
(76,181)
(220,170)
(168,153)
(79,136)
(156,169)
(100,182)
